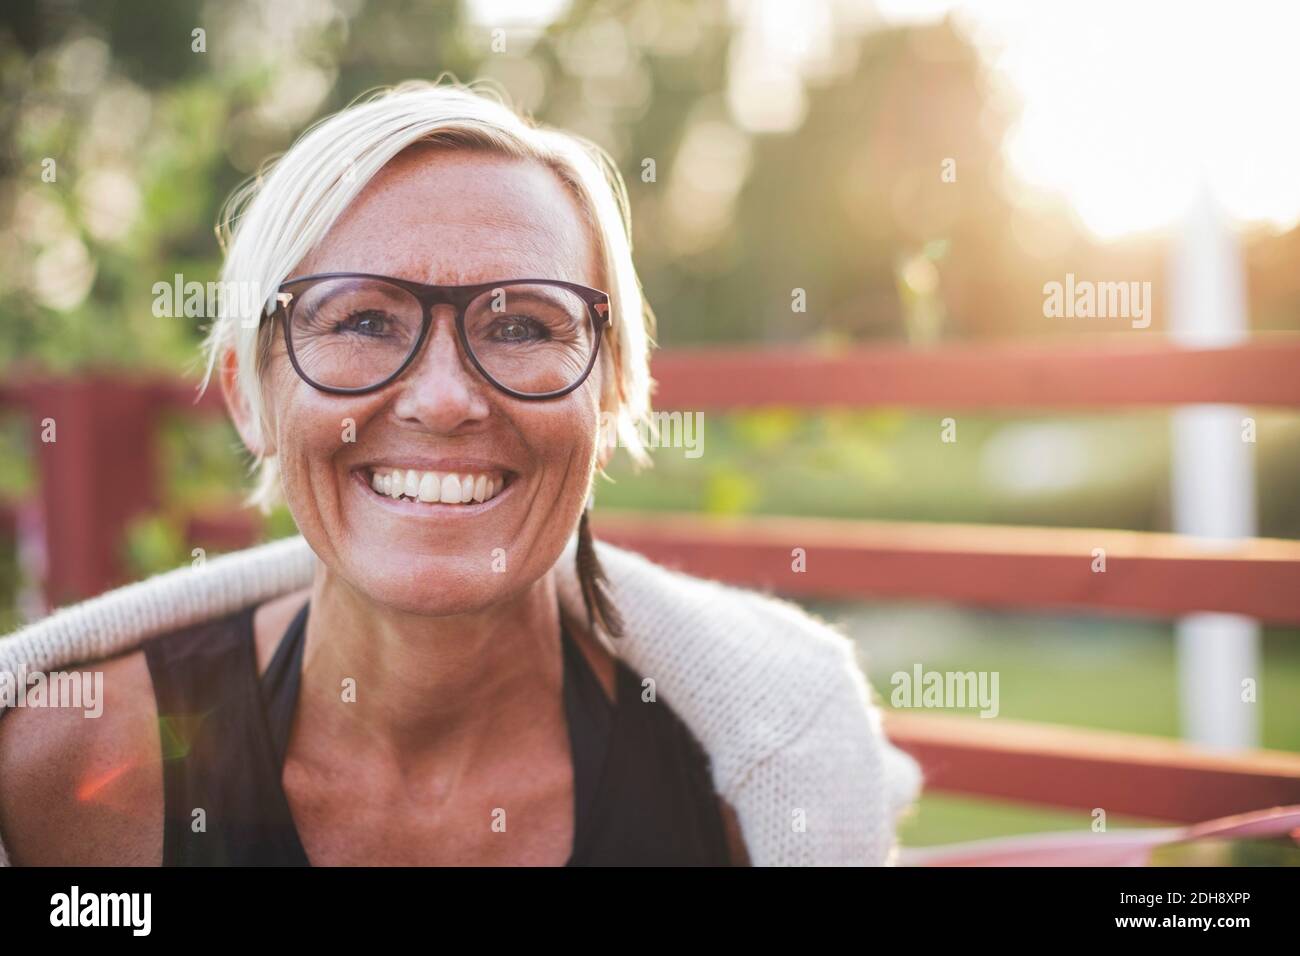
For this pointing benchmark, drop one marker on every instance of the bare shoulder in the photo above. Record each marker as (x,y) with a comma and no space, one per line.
(81,770)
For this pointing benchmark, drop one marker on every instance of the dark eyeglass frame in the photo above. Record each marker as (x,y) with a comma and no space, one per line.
(458,296)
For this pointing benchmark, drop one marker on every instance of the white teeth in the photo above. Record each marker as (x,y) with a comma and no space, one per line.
(429,487)
(432,487)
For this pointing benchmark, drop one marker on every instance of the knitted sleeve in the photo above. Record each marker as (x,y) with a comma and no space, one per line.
(833,794)
(776,698)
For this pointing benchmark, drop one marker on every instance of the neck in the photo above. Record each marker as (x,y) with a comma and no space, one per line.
(420,682)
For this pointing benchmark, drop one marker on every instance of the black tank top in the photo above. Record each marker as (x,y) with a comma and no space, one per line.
(642,789)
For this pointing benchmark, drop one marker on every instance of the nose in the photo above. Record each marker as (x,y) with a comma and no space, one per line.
(441,390)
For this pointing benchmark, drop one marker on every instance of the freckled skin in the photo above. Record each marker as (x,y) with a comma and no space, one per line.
(452,218)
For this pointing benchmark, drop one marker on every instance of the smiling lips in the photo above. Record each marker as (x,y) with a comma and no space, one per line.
(433,487)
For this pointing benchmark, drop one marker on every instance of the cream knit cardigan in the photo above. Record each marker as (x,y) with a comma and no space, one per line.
(773,694)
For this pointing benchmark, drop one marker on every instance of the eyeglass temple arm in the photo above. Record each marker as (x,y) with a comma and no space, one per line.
(281,301)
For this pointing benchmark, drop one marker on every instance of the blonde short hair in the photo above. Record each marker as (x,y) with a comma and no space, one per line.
(273,221)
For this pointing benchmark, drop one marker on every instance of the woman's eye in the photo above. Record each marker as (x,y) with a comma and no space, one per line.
(521,329)
(364,323)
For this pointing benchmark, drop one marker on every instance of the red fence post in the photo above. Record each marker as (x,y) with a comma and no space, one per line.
(97,465)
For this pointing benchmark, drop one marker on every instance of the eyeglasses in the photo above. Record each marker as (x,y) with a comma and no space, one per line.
(349,333)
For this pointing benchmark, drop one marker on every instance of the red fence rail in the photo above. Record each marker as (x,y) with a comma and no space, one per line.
(1067,767)
(1104,373)
(984,565)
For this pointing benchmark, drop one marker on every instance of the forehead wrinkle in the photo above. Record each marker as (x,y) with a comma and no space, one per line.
(499,264)
(533,247)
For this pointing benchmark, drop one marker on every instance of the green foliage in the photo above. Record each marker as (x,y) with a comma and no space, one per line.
(154,544)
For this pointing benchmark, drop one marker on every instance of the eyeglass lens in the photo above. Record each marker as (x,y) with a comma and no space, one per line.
(353,332)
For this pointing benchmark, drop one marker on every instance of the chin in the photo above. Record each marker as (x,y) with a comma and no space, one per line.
(428,586)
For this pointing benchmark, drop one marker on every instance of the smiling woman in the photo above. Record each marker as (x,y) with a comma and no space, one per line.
(453,677)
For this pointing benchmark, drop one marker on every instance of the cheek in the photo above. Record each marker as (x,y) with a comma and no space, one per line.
(566,436)
(311,427)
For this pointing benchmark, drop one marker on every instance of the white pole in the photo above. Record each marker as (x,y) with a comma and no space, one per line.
(1213,485)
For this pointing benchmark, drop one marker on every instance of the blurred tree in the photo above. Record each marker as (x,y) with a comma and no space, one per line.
(878,209)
